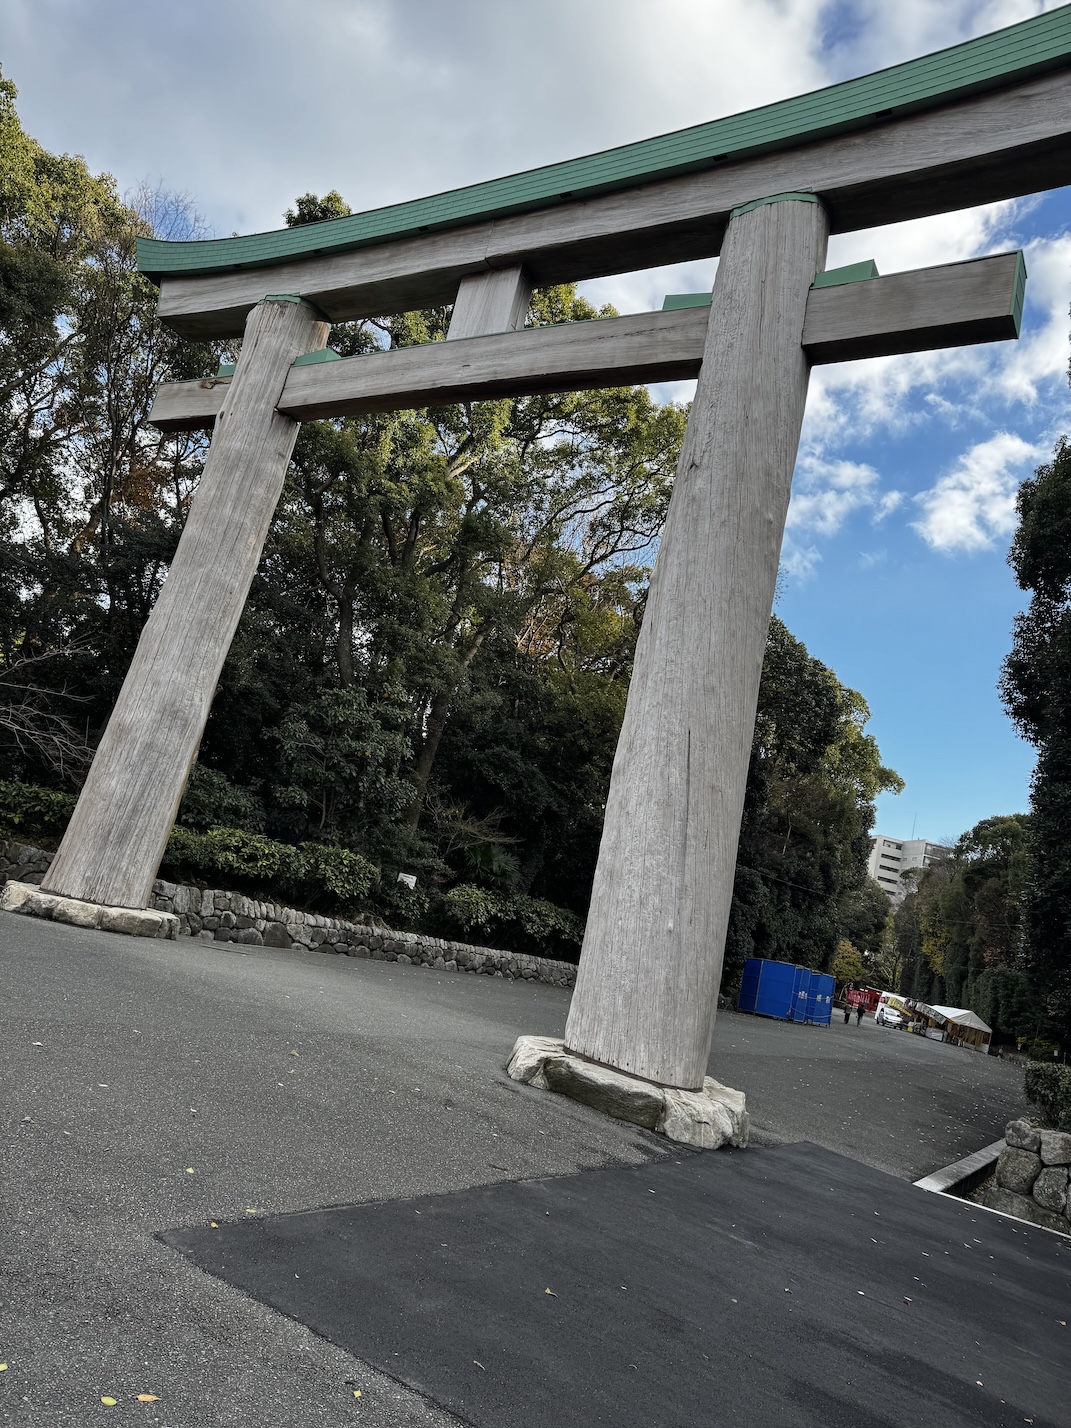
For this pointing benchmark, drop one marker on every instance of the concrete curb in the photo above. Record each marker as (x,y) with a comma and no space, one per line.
(963,1175)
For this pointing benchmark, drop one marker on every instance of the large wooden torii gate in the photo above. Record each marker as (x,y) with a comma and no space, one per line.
(986,120)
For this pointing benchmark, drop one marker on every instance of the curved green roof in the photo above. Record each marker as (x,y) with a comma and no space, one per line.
(1015,53)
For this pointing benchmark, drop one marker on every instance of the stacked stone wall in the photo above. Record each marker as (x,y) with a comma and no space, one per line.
(214,915)
(1032,1177)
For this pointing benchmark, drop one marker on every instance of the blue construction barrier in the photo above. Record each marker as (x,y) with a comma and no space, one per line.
(790,993)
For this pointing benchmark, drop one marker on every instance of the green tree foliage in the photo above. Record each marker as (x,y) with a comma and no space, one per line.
(1037,692)
(958,930)
(847,963)
(91,498)
(808,811)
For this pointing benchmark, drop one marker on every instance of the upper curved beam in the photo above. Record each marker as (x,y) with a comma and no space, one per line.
(1003,129)
(989,62)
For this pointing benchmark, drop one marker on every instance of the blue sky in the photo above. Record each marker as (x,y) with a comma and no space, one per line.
(894,563)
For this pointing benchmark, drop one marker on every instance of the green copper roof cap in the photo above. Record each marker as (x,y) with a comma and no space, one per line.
(1016,53)
(1019,292)
(851,273)
(673,302)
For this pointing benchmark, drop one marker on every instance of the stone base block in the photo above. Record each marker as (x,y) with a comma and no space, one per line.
(135,922)
(708,1118)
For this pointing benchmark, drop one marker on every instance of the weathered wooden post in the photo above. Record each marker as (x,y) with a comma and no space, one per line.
(115,840)
(648,978)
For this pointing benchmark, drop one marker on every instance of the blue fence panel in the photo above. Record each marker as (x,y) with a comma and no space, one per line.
(781,990)
(820,999)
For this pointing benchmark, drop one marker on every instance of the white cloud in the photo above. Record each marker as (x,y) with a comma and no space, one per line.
(825,494)
(974,504)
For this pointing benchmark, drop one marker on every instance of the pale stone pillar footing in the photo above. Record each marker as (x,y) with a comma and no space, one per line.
(713,1116)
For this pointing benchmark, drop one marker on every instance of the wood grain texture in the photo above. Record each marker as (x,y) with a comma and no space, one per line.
(115,840)
(649,972)
(1000,145)
(495,301)
(948,306)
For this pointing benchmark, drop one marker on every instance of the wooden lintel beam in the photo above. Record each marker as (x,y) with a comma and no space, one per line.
(955,305)
(950,306)
(991,146)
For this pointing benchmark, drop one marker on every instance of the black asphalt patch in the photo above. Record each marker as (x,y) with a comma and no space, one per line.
(786,1286)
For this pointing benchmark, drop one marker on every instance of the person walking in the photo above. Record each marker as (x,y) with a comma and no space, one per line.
(847,1012)
(858,1012)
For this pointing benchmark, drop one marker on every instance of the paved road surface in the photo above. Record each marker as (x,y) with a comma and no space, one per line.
(174,1084)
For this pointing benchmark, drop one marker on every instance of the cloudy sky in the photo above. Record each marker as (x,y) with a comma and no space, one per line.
(894,559)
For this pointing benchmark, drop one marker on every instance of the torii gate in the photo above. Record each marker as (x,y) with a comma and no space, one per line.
(986,120)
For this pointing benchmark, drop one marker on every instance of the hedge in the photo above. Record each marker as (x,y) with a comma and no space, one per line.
(1048,1086)
(327,878)
(309,872)
(36,812)
(515,920)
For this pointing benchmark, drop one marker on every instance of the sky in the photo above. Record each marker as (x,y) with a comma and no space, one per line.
(894,567)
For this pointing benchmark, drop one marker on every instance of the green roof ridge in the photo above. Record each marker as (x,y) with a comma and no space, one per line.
(1018,51)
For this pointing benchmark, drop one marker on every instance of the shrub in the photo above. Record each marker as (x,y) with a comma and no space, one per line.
(514,920)
(212,801)
(308,872)
(35,812)
(1049,1088)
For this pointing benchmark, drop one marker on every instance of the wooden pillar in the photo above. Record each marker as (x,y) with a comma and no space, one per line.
(647,984)
(495,301)
(116,837)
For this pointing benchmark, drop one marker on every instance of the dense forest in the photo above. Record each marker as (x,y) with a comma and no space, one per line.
(431,671)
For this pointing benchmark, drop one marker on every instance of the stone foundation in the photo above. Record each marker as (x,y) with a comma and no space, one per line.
(28,899)
(707,1119)
(212,915)
(1032,1177)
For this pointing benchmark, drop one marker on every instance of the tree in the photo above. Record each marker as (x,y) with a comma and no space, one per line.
(807,813)
(91,498)
(958,929)
(1036,687)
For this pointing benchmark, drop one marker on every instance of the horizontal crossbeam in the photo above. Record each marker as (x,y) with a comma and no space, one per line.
(992,146)
(950,306)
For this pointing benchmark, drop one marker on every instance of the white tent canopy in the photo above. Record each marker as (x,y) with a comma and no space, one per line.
(960,1016)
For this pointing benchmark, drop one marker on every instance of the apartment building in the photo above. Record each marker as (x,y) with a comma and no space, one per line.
(890,858)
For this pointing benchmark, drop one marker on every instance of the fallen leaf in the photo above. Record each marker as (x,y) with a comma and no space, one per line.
(295,1053)
(147,1398)
(37,1043)
(356,1393)
(551,1293)
(3,1368)
(212,1225)
(109,1402)
(189,1170)
(478,1364)
(250,1210)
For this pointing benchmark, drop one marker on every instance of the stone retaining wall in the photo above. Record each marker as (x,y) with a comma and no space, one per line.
(212,915)
(1032,1177)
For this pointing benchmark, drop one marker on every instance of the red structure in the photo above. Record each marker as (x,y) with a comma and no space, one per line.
(868,996)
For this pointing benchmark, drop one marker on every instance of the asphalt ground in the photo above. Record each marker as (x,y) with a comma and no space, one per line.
(150,1086)
(787,1285)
